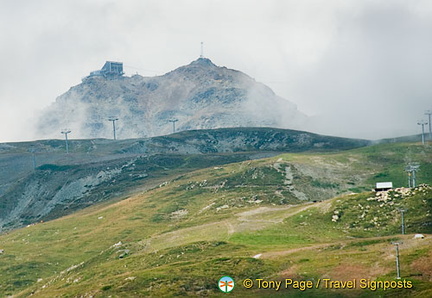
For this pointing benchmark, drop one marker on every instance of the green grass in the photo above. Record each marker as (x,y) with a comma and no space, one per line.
(164,252)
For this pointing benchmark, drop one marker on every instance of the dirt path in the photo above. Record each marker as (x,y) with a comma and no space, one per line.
(408,242)
(251,220)
(275,254)
(230,227)
(251,215)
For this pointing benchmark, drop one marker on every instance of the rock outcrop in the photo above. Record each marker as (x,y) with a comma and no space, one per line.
(200,95)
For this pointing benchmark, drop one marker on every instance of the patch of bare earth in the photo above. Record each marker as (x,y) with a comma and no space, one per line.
(423,266)
(290,272)
(277,254)
(349,271)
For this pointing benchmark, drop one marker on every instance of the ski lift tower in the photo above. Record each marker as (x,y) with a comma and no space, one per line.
(113,119)
(429,113)
(422,123)
(65,132)
(411,169)
(173,122)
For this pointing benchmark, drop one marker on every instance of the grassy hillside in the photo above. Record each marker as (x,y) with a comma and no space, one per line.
(39,181)
(253,219)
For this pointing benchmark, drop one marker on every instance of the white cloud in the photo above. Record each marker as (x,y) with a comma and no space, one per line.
(339,57)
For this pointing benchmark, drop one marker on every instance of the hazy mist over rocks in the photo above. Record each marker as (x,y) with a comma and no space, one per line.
(200,95)
(357,68)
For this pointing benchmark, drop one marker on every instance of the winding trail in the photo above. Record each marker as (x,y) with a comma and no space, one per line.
(408,239)
(251,220)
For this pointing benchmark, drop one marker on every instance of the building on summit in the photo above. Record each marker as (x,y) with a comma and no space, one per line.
(110,70)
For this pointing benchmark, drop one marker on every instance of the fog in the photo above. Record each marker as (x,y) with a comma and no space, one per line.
(357,68)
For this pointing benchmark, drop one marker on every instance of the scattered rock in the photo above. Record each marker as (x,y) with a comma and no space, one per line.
(116,245)
(179,214)
(222,207)
(123,253)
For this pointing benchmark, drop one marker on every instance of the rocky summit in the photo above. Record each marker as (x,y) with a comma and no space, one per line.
(200,95)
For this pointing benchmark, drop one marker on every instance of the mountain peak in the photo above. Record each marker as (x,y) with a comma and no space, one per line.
(203,62)
(200,95)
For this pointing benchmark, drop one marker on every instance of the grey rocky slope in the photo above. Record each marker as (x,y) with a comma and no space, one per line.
(200,95)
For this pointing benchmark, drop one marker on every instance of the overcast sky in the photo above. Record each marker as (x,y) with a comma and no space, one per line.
(360,68)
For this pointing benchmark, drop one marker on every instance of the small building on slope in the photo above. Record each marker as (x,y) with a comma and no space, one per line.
(383,186)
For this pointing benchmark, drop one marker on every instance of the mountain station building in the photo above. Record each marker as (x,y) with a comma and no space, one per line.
(110,70)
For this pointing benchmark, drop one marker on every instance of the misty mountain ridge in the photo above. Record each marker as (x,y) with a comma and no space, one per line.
(200,95)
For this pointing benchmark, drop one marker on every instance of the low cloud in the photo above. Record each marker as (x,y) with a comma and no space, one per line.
(362,67)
